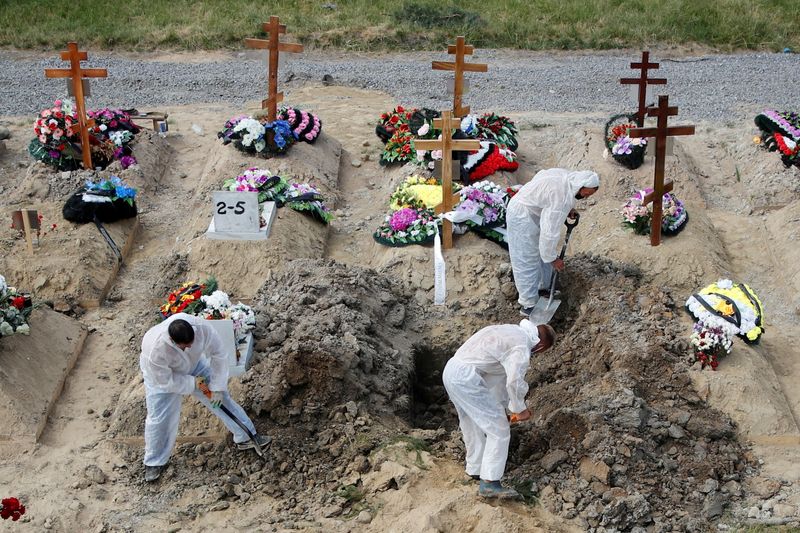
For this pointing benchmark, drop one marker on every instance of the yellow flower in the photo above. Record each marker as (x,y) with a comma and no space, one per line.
(754,333)
(724,307)
(756,140)
(187,297)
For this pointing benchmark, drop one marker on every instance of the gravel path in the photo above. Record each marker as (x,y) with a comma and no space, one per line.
(713,87)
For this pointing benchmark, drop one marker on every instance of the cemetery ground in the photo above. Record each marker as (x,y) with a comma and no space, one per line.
(625,432)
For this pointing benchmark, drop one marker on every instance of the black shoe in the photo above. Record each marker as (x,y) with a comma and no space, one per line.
(526,312)
(263,440)
(152,473)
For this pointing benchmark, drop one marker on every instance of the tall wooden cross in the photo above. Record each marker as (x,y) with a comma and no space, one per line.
(273,28)
(77,74)
(643,81)
(660,132)
(459,67)
(447,123)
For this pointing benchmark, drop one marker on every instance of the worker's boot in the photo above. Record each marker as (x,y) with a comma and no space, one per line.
(493,489)
(152,473)
(263,441)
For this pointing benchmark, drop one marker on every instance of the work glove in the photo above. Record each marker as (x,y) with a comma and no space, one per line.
(215,398)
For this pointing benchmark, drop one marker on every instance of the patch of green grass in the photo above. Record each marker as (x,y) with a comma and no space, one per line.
(409,24)
(412,445)
(351,493)
(768,529)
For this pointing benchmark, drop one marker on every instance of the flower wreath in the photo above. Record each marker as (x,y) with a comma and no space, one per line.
(218,306)
(780,132)
(15,309)
(627,151)
(418,192)
(407,226)
(301,197)
(115,126)
(492,127)
(638,217)
(305,126)
(257,136)
(488,160)
(483,209)
(389,122)
(57,141)
(188,298)
(734,307)
(710,344)
(107,200)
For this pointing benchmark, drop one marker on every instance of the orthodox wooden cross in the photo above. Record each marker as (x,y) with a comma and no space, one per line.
(273,28)
(447,123)
(76,73)
(643,81)
(459,67)
(660,132)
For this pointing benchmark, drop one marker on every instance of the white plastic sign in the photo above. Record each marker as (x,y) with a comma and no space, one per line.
(236,212)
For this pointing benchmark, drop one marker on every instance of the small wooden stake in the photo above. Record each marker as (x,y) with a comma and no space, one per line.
(459,66)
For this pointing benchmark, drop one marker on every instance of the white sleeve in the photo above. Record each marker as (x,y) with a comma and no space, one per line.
(215,350)
(553,216)
(516,362)
(163,378)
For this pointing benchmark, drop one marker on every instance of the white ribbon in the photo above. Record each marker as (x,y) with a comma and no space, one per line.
(439,271)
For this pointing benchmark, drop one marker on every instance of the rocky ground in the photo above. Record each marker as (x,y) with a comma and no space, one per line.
(627,435)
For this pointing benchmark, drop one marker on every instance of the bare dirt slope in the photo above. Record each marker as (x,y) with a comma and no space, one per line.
(86,469)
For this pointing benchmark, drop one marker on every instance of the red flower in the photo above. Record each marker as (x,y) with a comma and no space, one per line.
(400,109)
(394,119)
(12,509)
(18,302)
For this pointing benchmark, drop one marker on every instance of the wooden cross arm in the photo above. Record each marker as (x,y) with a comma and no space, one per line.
(274,26)
(648,81)
(654,111)
(261,44)
(67,73)
(642,132)
(268,101)
(428,144)
(467,49)
(440,208)
(290,47)
(80,56)
(645,64)
(465,67)
(680,130)
(649,197)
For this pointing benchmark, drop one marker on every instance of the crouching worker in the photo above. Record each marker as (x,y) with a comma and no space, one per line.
(179,356)
(483,377)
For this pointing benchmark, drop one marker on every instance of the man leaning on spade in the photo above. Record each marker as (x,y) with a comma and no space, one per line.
(185,355)
(486,375)
(534,218)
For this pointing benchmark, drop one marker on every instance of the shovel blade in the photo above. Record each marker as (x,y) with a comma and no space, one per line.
(543,313)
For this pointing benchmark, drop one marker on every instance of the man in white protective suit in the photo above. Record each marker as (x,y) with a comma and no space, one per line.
(180,355)
(534,219)
(483,377)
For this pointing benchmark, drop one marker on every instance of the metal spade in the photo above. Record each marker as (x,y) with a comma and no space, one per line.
(543,311)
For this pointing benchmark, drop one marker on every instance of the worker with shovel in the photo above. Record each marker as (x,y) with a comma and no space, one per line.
(180,356)
(534,218)
(483,377)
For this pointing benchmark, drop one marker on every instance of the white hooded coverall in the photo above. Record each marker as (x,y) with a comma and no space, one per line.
(169,374)
(534,218)
(483,377)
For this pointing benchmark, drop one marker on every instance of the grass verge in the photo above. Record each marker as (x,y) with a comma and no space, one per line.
(366,25)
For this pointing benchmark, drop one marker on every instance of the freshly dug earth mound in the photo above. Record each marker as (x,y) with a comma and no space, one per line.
(621,439)
(333,334)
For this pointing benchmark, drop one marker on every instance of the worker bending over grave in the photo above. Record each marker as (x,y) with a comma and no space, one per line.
(534,218)
(483,377)
(185,355)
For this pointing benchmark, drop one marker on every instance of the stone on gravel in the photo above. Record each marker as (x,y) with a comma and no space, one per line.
(553,458)
(95,474)
(364,517)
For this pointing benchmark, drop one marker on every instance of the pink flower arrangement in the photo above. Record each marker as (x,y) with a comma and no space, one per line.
(403,218)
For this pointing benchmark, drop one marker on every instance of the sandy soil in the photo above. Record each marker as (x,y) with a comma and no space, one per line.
(745,219)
